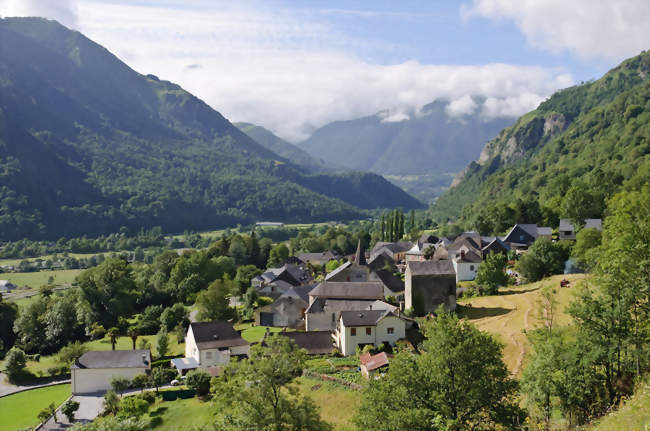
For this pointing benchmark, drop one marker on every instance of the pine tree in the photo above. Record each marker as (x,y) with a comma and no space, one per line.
(383,227)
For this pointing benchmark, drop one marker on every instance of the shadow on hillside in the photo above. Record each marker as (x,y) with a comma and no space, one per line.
(517,291)
(159,411)
(473,313)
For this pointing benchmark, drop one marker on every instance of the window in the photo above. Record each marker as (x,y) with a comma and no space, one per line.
(208,355)
(333,318)
(471,267)
(353,332)
(368,331)
(390,330)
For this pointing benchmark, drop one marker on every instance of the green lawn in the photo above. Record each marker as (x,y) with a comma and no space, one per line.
(37,279)
(253,334)
(182,414)
(19,410)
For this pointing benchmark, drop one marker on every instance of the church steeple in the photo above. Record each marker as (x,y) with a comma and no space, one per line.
(360,255)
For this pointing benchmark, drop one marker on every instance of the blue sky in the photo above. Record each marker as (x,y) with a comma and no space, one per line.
(293,66)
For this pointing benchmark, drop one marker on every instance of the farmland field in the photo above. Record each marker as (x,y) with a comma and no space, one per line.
(37,279)
(19,411)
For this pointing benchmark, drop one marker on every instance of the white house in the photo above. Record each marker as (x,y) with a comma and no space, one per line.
(466,265)
(211,344)
(93,371)
(6,286)
(374,327)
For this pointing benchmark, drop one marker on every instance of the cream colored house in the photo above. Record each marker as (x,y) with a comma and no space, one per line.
(93,371)
(466,265)
(212,344)
(368,327)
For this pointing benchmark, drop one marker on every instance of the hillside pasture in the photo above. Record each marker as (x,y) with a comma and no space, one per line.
(515,310)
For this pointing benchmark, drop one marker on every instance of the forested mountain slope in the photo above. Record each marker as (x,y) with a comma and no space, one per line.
(563,159)
(279,146)
(88,145)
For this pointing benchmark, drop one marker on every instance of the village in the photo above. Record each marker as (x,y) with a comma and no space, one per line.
(363,311)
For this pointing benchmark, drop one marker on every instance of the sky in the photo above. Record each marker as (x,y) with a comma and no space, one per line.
(294,66)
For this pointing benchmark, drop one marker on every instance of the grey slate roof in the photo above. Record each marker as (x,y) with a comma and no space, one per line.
(315,342)
(301,292)
(338,269)
(392,282)
(470,257)
(212,335)
(326,255)
(114,359)
(431,267)
(379,261)
(335,305)
(348,290)
(566,225)
(364,317)
(544,231)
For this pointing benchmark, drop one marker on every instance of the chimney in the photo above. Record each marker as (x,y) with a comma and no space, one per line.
(144,359)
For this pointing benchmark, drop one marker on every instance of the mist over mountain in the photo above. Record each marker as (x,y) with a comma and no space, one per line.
(419,151)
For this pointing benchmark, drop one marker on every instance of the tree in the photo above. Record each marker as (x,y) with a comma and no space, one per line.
(257,393)
(15,362)
(586,247)
(113,334)
(214,303)
(158,377)
(278,254)
(244,276)
(174,316)
(132,332)
(111,402)
(581,203)
(492,273)
(199,381)
(48,412)
(70,353)
(542,259)
(140,381)
(162,342)
(120,384)
(459,382)
(237,250)
(69,408)
(8,314)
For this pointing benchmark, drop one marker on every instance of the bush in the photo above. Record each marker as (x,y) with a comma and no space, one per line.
(140,381)
(69,408)
(133,407)
(492,273)
(70,353)
(148,396)
(544,258)
(15,363)
(199,381)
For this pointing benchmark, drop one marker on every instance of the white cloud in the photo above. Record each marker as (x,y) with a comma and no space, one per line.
(289,71)
(63,11)
(608,29)
(462,106)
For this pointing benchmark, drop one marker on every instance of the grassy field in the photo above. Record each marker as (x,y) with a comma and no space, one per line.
(632,416)
(515,310)
(37,279)
(336,404)
(39,368)
(14,262)
(18,411)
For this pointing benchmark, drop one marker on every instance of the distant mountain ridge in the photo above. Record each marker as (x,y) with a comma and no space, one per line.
(588,141)
(430,143)
(89,146)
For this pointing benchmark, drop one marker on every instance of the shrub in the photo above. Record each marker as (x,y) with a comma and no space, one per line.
(199,381)
(70,353)
(140,381)
(133,407)
(15,363)
(69,408)
(119,384)
(45,414)
(148,396)
(111,402)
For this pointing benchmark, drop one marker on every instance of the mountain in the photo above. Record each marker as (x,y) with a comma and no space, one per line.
(89,146)
(421,153)
(563,159)
(279,146)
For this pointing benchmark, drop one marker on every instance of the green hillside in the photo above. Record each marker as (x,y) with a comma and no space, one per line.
(279,146)
(563,159)
(89,146)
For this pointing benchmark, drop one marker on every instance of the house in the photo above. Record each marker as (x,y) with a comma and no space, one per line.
(393,285)
(314,342)
(211,344)
(6,286)
(328,299)
(394,250)
(319,258)
(494,245)
(521,236)
(381,261)
(465,242)
(417,251)
(368,327)
(545,232)
(279,280)
(373,364)
(430,284)
(427,238)
(568,231)
(466,265)
(93,371)
(287,311)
